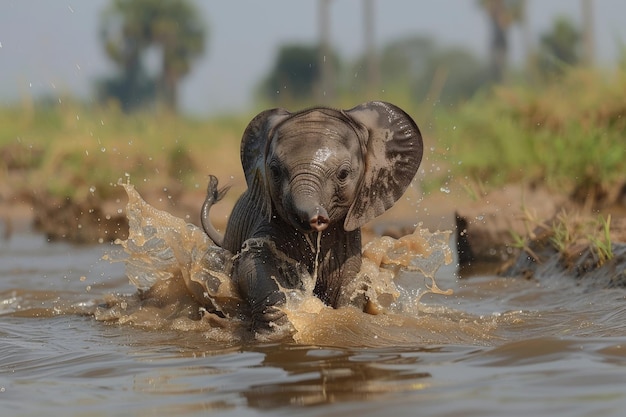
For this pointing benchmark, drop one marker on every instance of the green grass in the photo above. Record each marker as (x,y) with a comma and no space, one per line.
(569,234)
(567,134)
(70,150)
(601,242)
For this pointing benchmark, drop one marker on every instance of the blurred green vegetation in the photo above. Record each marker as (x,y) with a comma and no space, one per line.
(72,150)
(568,134)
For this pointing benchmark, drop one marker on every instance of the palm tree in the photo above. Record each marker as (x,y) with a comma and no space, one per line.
(588,41)
(326,90)
(174,27)
(502,14)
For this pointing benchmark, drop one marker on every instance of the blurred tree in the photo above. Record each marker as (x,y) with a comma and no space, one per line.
(130,28)
(588,32)
(407,58)
(325,92)
(560,47)
(502,14)
(373,66)
(453,75)
(295,76)
(417,65)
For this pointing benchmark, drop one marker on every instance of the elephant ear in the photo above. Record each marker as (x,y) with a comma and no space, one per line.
(254,141)
(393,152)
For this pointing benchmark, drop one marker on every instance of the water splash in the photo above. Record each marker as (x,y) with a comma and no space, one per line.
(183,282)
(172,262)
(318,248)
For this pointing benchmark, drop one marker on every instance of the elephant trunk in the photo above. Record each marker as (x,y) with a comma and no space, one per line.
(309,213)
(319,219)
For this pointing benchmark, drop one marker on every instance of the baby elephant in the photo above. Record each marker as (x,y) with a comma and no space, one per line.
(317,171)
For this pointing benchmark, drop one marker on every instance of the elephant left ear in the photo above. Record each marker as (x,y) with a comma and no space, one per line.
(393,154)
(255,140)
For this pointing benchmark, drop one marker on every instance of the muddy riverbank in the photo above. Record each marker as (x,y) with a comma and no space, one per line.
(509,230)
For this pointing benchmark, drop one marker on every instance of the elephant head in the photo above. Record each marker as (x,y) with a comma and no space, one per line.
(321,166)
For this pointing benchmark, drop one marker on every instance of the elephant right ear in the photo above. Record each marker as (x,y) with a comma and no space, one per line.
(393,154)
(254,143)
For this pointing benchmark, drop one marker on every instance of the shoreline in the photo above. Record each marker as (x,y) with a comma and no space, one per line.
(483,230)
(18,214)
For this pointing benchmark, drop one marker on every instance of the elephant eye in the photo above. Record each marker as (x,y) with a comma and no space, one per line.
(275,172)
(343,173)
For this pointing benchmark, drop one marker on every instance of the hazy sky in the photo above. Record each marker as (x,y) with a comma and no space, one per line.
(52,46)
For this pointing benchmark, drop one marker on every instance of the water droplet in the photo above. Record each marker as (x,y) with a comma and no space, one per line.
(444,190)
(92,189)
(103,149)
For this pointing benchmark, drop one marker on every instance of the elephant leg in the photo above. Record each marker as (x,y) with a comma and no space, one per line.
(257,273)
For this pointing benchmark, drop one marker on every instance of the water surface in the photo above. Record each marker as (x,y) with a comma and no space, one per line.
(496,346)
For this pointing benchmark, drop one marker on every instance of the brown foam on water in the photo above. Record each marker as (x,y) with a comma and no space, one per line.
(183,283)
(392,269)
(181,277)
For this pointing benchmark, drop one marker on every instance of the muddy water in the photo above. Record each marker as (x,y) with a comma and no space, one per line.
(76,339)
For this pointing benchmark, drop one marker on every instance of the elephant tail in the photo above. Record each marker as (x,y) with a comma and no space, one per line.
(213,195)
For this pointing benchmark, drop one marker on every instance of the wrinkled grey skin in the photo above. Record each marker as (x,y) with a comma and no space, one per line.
(318,170)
